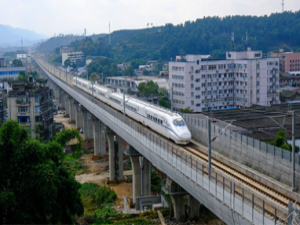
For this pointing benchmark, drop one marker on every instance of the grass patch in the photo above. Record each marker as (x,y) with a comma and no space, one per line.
(97,200)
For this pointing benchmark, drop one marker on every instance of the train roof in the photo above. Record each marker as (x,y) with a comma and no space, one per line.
(161,109)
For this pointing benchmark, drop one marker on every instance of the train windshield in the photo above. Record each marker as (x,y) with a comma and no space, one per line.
(179,122)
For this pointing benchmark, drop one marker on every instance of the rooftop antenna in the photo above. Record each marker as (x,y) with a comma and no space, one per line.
(109,34)
(282,3)
(232,40)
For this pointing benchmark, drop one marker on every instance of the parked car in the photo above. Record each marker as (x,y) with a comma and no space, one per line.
(81,130)
(62,112)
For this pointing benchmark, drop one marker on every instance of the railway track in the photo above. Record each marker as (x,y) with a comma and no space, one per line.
(256,186)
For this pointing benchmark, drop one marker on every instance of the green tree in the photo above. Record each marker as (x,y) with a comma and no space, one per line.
(145,72)
(67,62)
(17,62)
(158,66)
(186,110)
(35,187)
(164,100)
(281,142)
(94,77)
(148,88)
(281,98)
(22,77)
(128,71)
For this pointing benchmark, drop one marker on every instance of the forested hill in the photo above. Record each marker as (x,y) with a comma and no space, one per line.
(210,35)
(55,42)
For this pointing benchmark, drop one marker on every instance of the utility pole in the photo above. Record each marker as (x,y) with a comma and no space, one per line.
(87,73)
(172,98)
(209,147)
(293,150)
(124,102)
(92,89)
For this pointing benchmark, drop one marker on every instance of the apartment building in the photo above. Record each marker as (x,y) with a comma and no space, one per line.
(289,61)
(74,57)
(11,72)
(3,106)
(240,80)
(31,106)
(2,62)
(124,83)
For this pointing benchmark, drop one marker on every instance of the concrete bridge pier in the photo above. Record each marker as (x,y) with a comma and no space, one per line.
(102,140)
(96,133)
(119,165)
(177,194)
(111,151)
(73,105)
(141,177)
(90,126)
(78,117)
(194,207)
(85,122)
(68,103)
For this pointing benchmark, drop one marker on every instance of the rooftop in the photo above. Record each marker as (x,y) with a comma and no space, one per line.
(256,121)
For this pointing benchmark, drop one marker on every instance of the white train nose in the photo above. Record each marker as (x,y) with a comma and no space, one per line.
(186,136)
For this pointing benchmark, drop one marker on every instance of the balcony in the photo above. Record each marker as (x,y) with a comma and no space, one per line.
(22,103)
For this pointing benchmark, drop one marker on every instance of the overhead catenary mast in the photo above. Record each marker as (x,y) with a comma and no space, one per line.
(282,3)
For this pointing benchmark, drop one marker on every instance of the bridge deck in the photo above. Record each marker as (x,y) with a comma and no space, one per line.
(248,200)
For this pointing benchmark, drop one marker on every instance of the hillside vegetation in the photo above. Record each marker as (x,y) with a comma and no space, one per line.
(54,42)
(209,35)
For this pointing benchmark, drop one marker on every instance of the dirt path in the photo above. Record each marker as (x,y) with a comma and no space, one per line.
(59,118)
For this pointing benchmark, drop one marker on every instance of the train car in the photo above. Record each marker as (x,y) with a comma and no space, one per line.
(169,124)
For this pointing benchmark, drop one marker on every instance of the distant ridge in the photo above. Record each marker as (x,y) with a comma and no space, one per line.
(49,45)
(11,36)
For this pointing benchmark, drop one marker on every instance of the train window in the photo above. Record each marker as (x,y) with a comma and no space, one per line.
(179,122)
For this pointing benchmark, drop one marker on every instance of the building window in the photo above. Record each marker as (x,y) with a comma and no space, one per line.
(37,119)
(257,55)
(257,83)
(192,77)
(192,94)
(257,75)
(23,109)
(192,102)
(192,85)
(37,99)
(37,109)
(24,119)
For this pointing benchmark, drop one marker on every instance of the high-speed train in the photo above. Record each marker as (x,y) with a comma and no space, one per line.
(169,124)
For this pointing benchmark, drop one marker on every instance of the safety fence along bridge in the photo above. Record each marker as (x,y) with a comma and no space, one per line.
(234,196)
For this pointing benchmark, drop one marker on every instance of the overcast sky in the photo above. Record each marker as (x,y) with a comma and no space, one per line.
(72,16)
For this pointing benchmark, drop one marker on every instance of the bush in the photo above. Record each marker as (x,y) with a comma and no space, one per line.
(88,189)
(104,195)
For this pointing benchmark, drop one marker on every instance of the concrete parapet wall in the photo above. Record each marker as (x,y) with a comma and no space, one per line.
(260,156)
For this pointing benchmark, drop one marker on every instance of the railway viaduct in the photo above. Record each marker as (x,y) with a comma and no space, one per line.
(235,201)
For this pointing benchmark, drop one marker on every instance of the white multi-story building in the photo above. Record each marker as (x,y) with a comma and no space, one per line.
(242,79)
(74,57)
